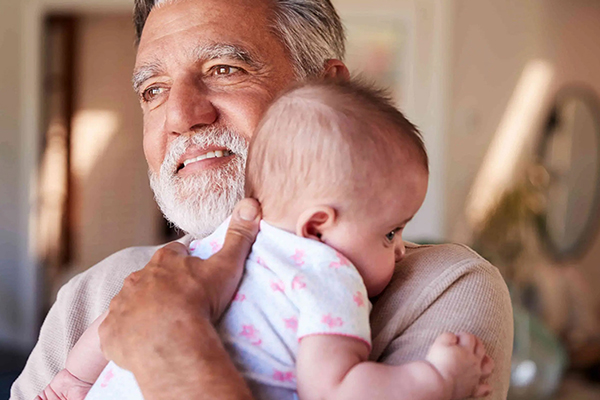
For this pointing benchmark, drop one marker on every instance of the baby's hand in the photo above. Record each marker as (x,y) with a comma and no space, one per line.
(463,364)
(65,386)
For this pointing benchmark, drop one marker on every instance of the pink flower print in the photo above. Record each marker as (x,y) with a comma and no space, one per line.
(342,261)
(278,286)
(298,257)
(216,246)
(282,376)
(332,322)
(359,300)
(252,334)
(291,323)
(193,245)
(109,375)
(239,297)
(298,283)
(261,262)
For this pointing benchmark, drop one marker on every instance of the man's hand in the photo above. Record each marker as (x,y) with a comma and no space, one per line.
(161,318)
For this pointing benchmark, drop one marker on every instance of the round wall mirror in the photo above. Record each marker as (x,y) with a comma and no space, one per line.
(570,153)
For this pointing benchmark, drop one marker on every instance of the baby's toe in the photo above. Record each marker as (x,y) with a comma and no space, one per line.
(479,348)
(467,341)
(487,366)
(446,339)
(482,390)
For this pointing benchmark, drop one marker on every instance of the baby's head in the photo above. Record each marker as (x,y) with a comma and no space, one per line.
(338,163)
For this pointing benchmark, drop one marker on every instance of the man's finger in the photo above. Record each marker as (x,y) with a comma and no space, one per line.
(242,231)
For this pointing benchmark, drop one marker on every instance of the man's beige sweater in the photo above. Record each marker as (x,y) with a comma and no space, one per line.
(434,289)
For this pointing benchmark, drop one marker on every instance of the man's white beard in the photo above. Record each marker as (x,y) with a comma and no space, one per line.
(198,204)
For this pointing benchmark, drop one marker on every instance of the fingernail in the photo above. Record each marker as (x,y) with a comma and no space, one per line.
(248,212)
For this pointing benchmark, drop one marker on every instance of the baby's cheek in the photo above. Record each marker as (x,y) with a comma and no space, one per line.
(377,275)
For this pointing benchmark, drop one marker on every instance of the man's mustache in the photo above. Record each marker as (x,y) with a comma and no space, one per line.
(211,136)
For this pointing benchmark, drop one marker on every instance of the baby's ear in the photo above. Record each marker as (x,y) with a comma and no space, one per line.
(336,70)
(315,221)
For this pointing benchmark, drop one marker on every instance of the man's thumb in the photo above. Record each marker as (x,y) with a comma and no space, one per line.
(242,231)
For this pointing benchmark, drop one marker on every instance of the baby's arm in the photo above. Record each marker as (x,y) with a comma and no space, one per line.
(335,367)
(84,364)
(86,361)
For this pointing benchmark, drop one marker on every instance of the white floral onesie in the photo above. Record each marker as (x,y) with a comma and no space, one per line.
(292,287)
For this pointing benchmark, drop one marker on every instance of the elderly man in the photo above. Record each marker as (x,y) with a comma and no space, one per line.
(205,72)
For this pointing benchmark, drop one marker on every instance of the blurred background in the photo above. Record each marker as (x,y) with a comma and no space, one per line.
(504,91)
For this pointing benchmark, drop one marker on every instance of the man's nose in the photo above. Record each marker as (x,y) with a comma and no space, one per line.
(188,107)
(400,251)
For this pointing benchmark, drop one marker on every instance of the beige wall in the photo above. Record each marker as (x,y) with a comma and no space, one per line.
(113,204)
(493,41)
(422,85)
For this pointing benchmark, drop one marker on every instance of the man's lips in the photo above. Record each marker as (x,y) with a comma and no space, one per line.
(203,155)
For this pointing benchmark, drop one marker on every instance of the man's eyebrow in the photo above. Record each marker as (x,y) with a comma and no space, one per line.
(221,50)
(145,72)
(205,52)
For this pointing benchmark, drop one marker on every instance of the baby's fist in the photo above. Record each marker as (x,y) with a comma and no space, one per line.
(462,361)
(65,386)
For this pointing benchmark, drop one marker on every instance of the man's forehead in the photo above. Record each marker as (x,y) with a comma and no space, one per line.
(207,29)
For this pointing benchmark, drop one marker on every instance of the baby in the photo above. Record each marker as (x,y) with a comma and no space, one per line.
(339,173)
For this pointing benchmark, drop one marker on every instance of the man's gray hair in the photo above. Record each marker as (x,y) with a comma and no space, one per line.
(311,31)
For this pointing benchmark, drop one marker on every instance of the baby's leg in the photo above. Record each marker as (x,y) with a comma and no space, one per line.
(463,363)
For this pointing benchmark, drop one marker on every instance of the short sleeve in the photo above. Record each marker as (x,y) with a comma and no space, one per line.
(332,299)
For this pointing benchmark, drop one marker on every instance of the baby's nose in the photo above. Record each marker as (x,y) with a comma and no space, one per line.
(400,251)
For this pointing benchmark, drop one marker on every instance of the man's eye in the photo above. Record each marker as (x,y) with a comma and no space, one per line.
(151,93)
(221,70)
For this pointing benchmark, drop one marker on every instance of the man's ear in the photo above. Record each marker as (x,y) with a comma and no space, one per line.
(315,221)
(336,69)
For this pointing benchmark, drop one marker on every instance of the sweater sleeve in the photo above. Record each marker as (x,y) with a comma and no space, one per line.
(461,293)
(78,304)
(63,325)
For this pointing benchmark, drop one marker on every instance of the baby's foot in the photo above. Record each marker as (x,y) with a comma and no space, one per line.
(463,363)
(65,386)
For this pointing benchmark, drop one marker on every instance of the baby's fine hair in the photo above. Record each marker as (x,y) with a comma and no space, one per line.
(331,140)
